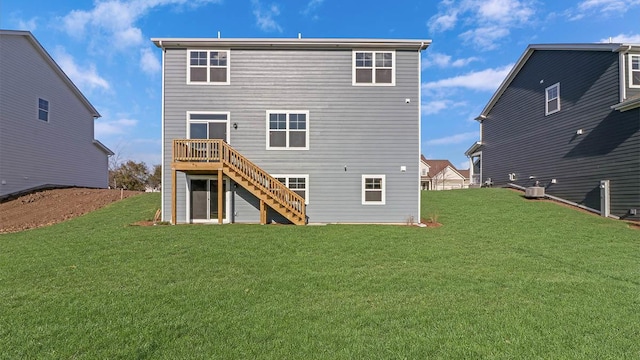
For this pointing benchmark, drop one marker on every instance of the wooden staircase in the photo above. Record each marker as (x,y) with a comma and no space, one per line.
(209,155)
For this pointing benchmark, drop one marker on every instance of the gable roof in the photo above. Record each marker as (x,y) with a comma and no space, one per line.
(614,47)
(436,166)
(423,159)
(288,43)
(54,66)
(102,147)
(464,173)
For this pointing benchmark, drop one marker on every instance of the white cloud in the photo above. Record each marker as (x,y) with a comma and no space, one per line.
(484,80)
(265,18)
(435,106)
(485,22)
(453,139)
(600,8)
(445,61)
(30,25)
(86,78)
(312,6)
(485,37)
(623,38)
(149,63)
(607,5)
(115,20)
(443,22)
(106,128)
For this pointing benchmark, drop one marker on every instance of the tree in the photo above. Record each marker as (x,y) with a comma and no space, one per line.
(155,178)
(131,176)
(115,161)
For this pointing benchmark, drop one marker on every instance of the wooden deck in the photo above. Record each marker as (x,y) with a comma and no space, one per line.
(214,156)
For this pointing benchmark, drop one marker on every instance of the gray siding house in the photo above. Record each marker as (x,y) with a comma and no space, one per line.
(291,130)
(567,117)
(46,124)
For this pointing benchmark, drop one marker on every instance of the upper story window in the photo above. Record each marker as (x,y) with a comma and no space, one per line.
(374,68)
(552,99)
(634,70)
(43,110)
(208,67)
(288,130)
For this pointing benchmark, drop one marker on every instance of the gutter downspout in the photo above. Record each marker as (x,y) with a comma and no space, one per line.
(623,80)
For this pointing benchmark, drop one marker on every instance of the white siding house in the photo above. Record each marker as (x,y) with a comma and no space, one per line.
(46,123)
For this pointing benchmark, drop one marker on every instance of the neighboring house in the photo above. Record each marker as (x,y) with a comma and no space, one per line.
(425,180)
(290,130)
(441,175)
(567,117)
(46,124)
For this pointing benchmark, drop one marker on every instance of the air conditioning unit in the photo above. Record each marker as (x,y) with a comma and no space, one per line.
(534,192)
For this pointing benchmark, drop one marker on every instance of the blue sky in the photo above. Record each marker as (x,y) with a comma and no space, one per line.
(104,47)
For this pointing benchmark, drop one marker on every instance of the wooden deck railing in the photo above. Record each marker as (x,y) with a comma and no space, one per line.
(214,150)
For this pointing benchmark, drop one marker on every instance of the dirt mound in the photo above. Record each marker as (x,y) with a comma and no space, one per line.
(49,207)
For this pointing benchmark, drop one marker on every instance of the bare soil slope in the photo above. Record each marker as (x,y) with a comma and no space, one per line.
(48,207)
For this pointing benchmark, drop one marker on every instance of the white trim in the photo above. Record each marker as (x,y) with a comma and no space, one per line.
(373,68)
(292,43)
(420,135)
(547,100)
(383,190)
(162,172)
(227,193)
(48,109)
(226,113)
(631,70)
(287,112)
(306,183)
(622,71)
(208,66)
(471,170)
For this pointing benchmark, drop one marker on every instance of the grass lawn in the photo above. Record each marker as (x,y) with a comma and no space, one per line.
(503,278)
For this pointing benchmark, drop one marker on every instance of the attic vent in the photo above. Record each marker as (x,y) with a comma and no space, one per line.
(534,192)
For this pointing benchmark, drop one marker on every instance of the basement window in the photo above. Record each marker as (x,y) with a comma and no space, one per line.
(299,184)
(373,189)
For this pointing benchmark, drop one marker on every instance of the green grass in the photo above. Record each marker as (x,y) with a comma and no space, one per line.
(503,278)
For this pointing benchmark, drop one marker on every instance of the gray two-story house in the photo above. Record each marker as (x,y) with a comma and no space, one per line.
(46,123)
(567,118)
(291,130)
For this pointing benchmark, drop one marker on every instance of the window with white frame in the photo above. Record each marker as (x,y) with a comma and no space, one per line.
(552,95)
(43,109)
(208,67)
(634,71)
(374,68)
(299,184)
(287,130)
(373,189)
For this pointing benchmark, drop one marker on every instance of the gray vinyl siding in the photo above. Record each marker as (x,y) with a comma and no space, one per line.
(518,137)
(368,129)
(35,153)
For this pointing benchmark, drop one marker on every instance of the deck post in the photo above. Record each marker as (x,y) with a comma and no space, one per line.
(220,195)
(174,179)
(263,213)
